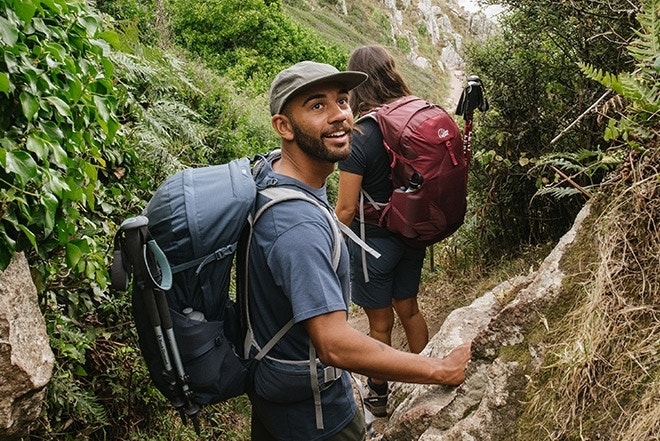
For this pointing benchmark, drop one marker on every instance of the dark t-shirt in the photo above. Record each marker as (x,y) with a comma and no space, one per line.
(369,159)
(291,274)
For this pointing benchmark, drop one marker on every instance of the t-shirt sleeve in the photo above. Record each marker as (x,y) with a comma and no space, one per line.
(357,161)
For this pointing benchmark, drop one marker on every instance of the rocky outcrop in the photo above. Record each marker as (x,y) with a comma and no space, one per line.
(26,360)
(505,357)
(439,27)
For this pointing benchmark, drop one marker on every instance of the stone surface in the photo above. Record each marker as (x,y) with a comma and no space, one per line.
(487,405)
(26,359)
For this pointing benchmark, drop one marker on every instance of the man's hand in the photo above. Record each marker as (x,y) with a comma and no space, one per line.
(455,363)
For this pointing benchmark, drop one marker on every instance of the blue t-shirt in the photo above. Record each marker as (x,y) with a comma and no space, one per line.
(291,275)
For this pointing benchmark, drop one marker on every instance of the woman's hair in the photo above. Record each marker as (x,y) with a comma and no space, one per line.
(384,84)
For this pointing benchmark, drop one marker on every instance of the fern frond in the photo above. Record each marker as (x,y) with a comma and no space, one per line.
(645,49)
(130,68)
(643,95)
(607,79)
(561,163)
(557,192)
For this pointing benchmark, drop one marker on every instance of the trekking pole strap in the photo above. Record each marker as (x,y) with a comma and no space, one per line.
(165,269)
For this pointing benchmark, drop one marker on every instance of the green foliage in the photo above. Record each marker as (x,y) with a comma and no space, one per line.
(641,88)
(575,172)
(537,91)
(93,120)
(403,44)
(89,128)
(58,126)
(133,14)
(600,370)
(248,40)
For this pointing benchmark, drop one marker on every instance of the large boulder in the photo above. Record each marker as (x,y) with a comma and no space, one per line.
(506,352)
(26,359)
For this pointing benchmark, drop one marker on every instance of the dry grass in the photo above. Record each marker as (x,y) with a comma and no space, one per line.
(604,378)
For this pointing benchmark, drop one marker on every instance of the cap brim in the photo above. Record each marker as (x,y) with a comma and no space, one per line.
(347,79)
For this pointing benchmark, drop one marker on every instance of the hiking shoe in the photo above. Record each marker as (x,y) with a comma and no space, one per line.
(376,404)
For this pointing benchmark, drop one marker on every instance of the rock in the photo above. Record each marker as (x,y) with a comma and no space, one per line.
(26,359)
(487,405)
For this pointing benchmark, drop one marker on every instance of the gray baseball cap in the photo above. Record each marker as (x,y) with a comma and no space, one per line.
(308,73)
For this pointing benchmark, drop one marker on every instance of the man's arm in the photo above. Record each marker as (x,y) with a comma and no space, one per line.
(340,345)
(347,196)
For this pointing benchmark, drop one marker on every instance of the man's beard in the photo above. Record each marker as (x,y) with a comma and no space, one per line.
(315,147)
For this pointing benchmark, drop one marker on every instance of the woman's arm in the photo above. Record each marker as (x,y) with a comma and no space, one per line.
(347,196)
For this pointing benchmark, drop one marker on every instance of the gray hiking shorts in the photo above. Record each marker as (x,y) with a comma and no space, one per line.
(395,275)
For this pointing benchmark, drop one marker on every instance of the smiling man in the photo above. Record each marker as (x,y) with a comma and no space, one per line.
(297,280)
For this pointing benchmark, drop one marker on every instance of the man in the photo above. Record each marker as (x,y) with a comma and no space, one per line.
(293,274)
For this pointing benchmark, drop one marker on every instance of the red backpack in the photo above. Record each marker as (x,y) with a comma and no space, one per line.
(429,172)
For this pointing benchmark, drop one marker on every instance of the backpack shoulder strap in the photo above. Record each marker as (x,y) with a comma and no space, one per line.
(276,195)
(280,194)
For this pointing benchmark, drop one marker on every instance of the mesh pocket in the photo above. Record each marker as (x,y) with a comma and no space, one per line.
(214,370)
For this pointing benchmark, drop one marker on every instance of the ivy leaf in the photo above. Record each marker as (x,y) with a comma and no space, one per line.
(101,108)
(25,11)
(52,130)
(37,145)
(50,204)
(8,32)
(60,158)
(90,24)
(111,37)
(4,83)
(29,104)
(73,254)
(55,184)
(22,164)
(62,107)
(75,90)
(29,235)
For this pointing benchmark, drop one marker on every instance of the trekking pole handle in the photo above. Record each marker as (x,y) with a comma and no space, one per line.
(134,222)
(162,268)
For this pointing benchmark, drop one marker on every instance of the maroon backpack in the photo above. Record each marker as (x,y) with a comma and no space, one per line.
(429,172)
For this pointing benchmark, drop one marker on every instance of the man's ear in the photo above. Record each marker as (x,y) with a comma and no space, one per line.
(282,126)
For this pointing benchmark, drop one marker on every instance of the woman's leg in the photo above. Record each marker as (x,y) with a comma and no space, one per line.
(413,322)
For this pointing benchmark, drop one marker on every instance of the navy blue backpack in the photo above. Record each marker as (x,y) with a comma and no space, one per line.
(194,336)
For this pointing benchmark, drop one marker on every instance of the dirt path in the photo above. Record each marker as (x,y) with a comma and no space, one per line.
(437,298)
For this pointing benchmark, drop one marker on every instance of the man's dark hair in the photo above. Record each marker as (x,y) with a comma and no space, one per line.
(384,84)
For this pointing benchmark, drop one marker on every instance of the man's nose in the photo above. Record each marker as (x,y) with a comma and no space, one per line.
(339,112)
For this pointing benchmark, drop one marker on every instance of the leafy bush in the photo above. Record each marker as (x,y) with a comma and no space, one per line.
(249,40)
(537,91)
(86,133)
(600,378)
(59,128)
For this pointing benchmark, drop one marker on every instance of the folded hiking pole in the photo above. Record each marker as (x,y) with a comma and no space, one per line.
(180,253)
(151,277)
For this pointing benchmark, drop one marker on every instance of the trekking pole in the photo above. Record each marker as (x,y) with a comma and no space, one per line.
(471,99)
(149,264)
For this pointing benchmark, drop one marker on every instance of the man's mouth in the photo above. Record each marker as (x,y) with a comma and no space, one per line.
(337,134)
